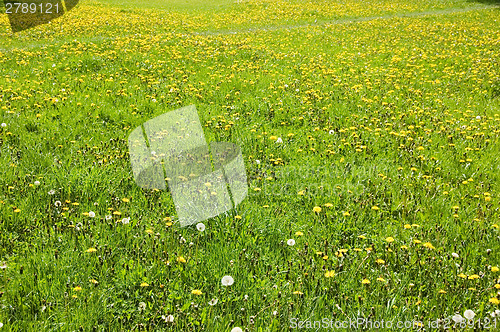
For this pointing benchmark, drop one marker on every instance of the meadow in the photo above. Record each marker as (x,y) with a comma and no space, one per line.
(370,135)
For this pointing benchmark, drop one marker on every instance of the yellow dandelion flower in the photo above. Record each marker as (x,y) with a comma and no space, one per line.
(330,274)
(299,233)
(196,292)
(181,259)
(77,289)
(380,261)
(380,279)
(144,284)
(495,269)
(494,300)
(442,291)
(150,231)
(461,275)
(328,205)
(126,200)
(389,239)
(497,286)
(365,281)
(297,293)
(91,250)
(473,277)
(317,209)
(17,210)
(428,245)
(407,226)
(346,214)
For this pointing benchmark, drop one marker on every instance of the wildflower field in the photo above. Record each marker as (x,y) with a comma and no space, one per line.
(370,135)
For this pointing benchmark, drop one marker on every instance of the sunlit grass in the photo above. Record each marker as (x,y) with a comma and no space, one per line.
(371,151)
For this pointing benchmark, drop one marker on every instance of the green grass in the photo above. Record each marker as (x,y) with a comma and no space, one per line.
(389,125)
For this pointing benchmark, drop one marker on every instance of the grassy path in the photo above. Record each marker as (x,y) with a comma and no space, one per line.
(348,20)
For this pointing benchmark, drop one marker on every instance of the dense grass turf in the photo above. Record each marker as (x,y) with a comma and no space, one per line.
(373,144)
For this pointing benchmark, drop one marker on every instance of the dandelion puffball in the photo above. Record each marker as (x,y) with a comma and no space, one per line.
(469,314)
(291,242)
(200,226)
(227,281)
(236,329)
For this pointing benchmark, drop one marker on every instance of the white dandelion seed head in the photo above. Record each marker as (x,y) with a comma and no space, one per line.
(142,306)
(236,329)
(279,140)
(257,161)
(291,242)
(469,314)
(331,132)
(457,318)
(37,183)
(51,192)
(227,281)
(182,240)
(1,325)
(169,319)
(3,266)
(91,214)
(108,217)
(455,255)
(275,313)
(57,203)
(4,124)
(478,117)
(200,226)
(213,302)
(125,220)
